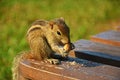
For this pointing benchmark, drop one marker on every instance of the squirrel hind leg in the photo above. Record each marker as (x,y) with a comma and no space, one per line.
(52,61)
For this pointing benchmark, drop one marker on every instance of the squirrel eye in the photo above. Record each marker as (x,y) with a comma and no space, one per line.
(58,33)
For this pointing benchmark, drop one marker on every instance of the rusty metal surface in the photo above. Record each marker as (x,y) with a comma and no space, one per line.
(72,69)
(98,52)
(109,37)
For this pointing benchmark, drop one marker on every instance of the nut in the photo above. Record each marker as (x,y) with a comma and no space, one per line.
(68,47)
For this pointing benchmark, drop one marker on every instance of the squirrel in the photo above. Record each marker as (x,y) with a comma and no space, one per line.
(45,38)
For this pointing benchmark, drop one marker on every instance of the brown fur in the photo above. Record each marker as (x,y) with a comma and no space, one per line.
(45,38)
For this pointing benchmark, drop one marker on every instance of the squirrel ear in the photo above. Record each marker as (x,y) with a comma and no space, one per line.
(51,24)
(61,18)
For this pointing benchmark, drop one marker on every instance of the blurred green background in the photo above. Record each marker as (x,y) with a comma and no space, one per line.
(84,17)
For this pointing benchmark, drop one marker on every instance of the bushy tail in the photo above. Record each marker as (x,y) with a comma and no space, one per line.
(16,61)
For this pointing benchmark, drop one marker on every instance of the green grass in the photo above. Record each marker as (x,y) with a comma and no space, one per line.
(84,17)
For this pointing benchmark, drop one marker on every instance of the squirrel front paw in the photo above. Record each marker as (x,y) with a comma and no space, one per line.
(53,61)
(66,49)
(65,54)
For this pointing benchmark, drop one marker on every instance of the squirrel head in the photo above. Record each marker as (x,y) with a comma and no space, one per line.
(60,30)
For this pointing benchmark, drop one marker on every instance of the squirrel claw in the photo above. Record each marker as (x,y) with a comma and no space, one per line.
(64,55)
(53,61)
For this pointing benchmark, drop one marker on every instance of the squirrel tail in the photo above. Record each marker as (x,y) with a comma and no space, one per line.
(16,61)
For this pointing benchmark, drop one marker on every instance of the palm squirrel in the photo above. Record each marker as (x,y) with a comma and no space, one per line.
(45,38)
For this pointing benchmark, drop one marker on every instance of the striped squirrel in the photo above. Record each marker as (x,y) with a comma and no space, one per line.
(45,38)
